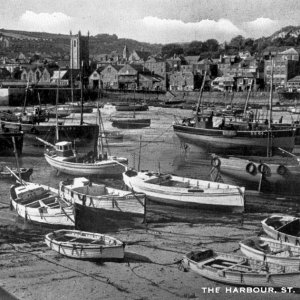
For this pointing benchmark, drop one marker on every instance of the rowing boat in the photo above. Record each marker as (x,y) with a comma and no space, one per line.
(240,270)
(85,245)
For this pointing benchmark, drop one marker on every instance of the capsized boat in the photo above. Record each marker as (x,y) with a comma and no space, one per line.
(269,250)
(239,270)
(85,245)
(170,189)
(99,196)
(283,228)
(41,204)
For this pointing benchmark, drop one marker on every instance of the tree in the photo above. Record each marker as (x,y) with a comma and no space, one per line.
(212,45)
(170,49)
(194,48)
(237,42)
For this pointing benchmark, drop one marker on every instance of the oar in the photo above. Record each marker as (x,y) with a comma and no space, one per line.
(16,176)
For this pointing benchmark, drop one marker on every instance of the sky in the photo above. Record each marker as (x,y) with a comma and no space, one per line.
(153,21)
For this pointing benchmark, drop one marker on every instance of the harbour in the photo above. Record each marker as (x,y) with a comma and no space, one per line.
(160,240)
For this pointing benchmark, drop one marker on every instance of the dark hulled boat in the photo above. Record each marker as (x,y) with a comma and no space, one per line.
(6,142)
(237,138)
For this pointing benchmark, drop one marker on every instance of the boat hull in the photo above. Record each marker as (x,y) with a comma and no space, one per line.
(6,143)
(102,169)
(278,234)
(116,200)
(45,215)
(132,107)
(114,249)
(223,196)
(130,123)
(288,255)
(236,141)
(47,132)
(275,278)
(236,168)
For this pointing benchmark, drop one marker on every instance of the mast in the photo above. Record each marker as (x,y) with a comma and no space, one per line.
(71,73)
(17,160)
(56,104)
(269,142)
(26,92)
(199,104)
(81,93)
(99,141)
(248,96)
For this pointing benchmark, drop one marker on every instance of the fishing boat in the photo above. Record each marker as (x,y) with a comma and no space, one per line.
(278,173)
(240,271)
(170,189)
(283,228)
(85,245)
(131,107)
(41,204)
(126,122)
(219,135)
(25,173)
(101,197)
(271,251)
(63,157)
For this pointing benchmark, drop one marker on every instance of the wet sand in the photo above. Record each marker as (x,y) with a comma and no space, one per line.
(30,270)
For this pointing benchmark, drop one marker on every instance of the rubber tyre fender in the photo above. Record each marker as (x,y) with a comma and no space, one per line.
(264,169)
(281,170)
(215,162)
(251,168)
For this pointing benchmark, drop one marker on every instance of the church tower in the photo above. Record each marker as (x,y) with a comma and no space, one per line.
(79,51)
(125,53)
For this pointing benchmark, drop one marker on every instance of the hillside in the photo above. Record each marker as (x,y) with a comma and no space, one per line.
(57,45)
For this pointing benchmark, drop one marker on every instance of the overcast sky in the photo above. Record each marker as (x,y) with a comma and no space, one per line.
(154,21)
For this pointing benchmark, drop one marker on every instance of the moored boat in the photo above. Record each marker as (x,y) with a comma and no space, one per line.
(280,174)
(238,138)
(131,107)
(83,192)
(127,122)
(170,189)
(40,204)
(283,228)
(25,173)
(239,270)
(85,245)
(270,250)
(6,142)
(65,160)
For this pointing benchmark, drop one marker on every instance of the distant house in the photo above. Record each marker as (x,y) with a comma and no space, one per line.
(183,81)
(174,63)
(294,84)
(109,78)
(192,60)
(138,57)
(4,74)
(223,84)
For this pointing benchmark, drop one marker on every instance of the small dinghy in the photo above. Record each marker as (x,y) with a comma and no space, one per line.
(239,270)
(41,204)
(283,228)
(269,250)
(25,173)
(85,245)
(101,197)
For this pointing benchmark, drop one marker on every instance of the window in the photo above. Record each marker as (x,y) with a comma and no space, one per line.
(74,43)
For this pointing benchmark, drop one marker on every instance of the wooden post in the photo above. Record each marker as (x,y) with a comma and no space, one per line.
(139,162)
(260,181)
(17,160)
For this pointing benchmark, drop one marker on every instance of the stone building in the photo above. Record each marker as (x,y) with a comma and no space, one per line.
(79,52)
(110,77)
